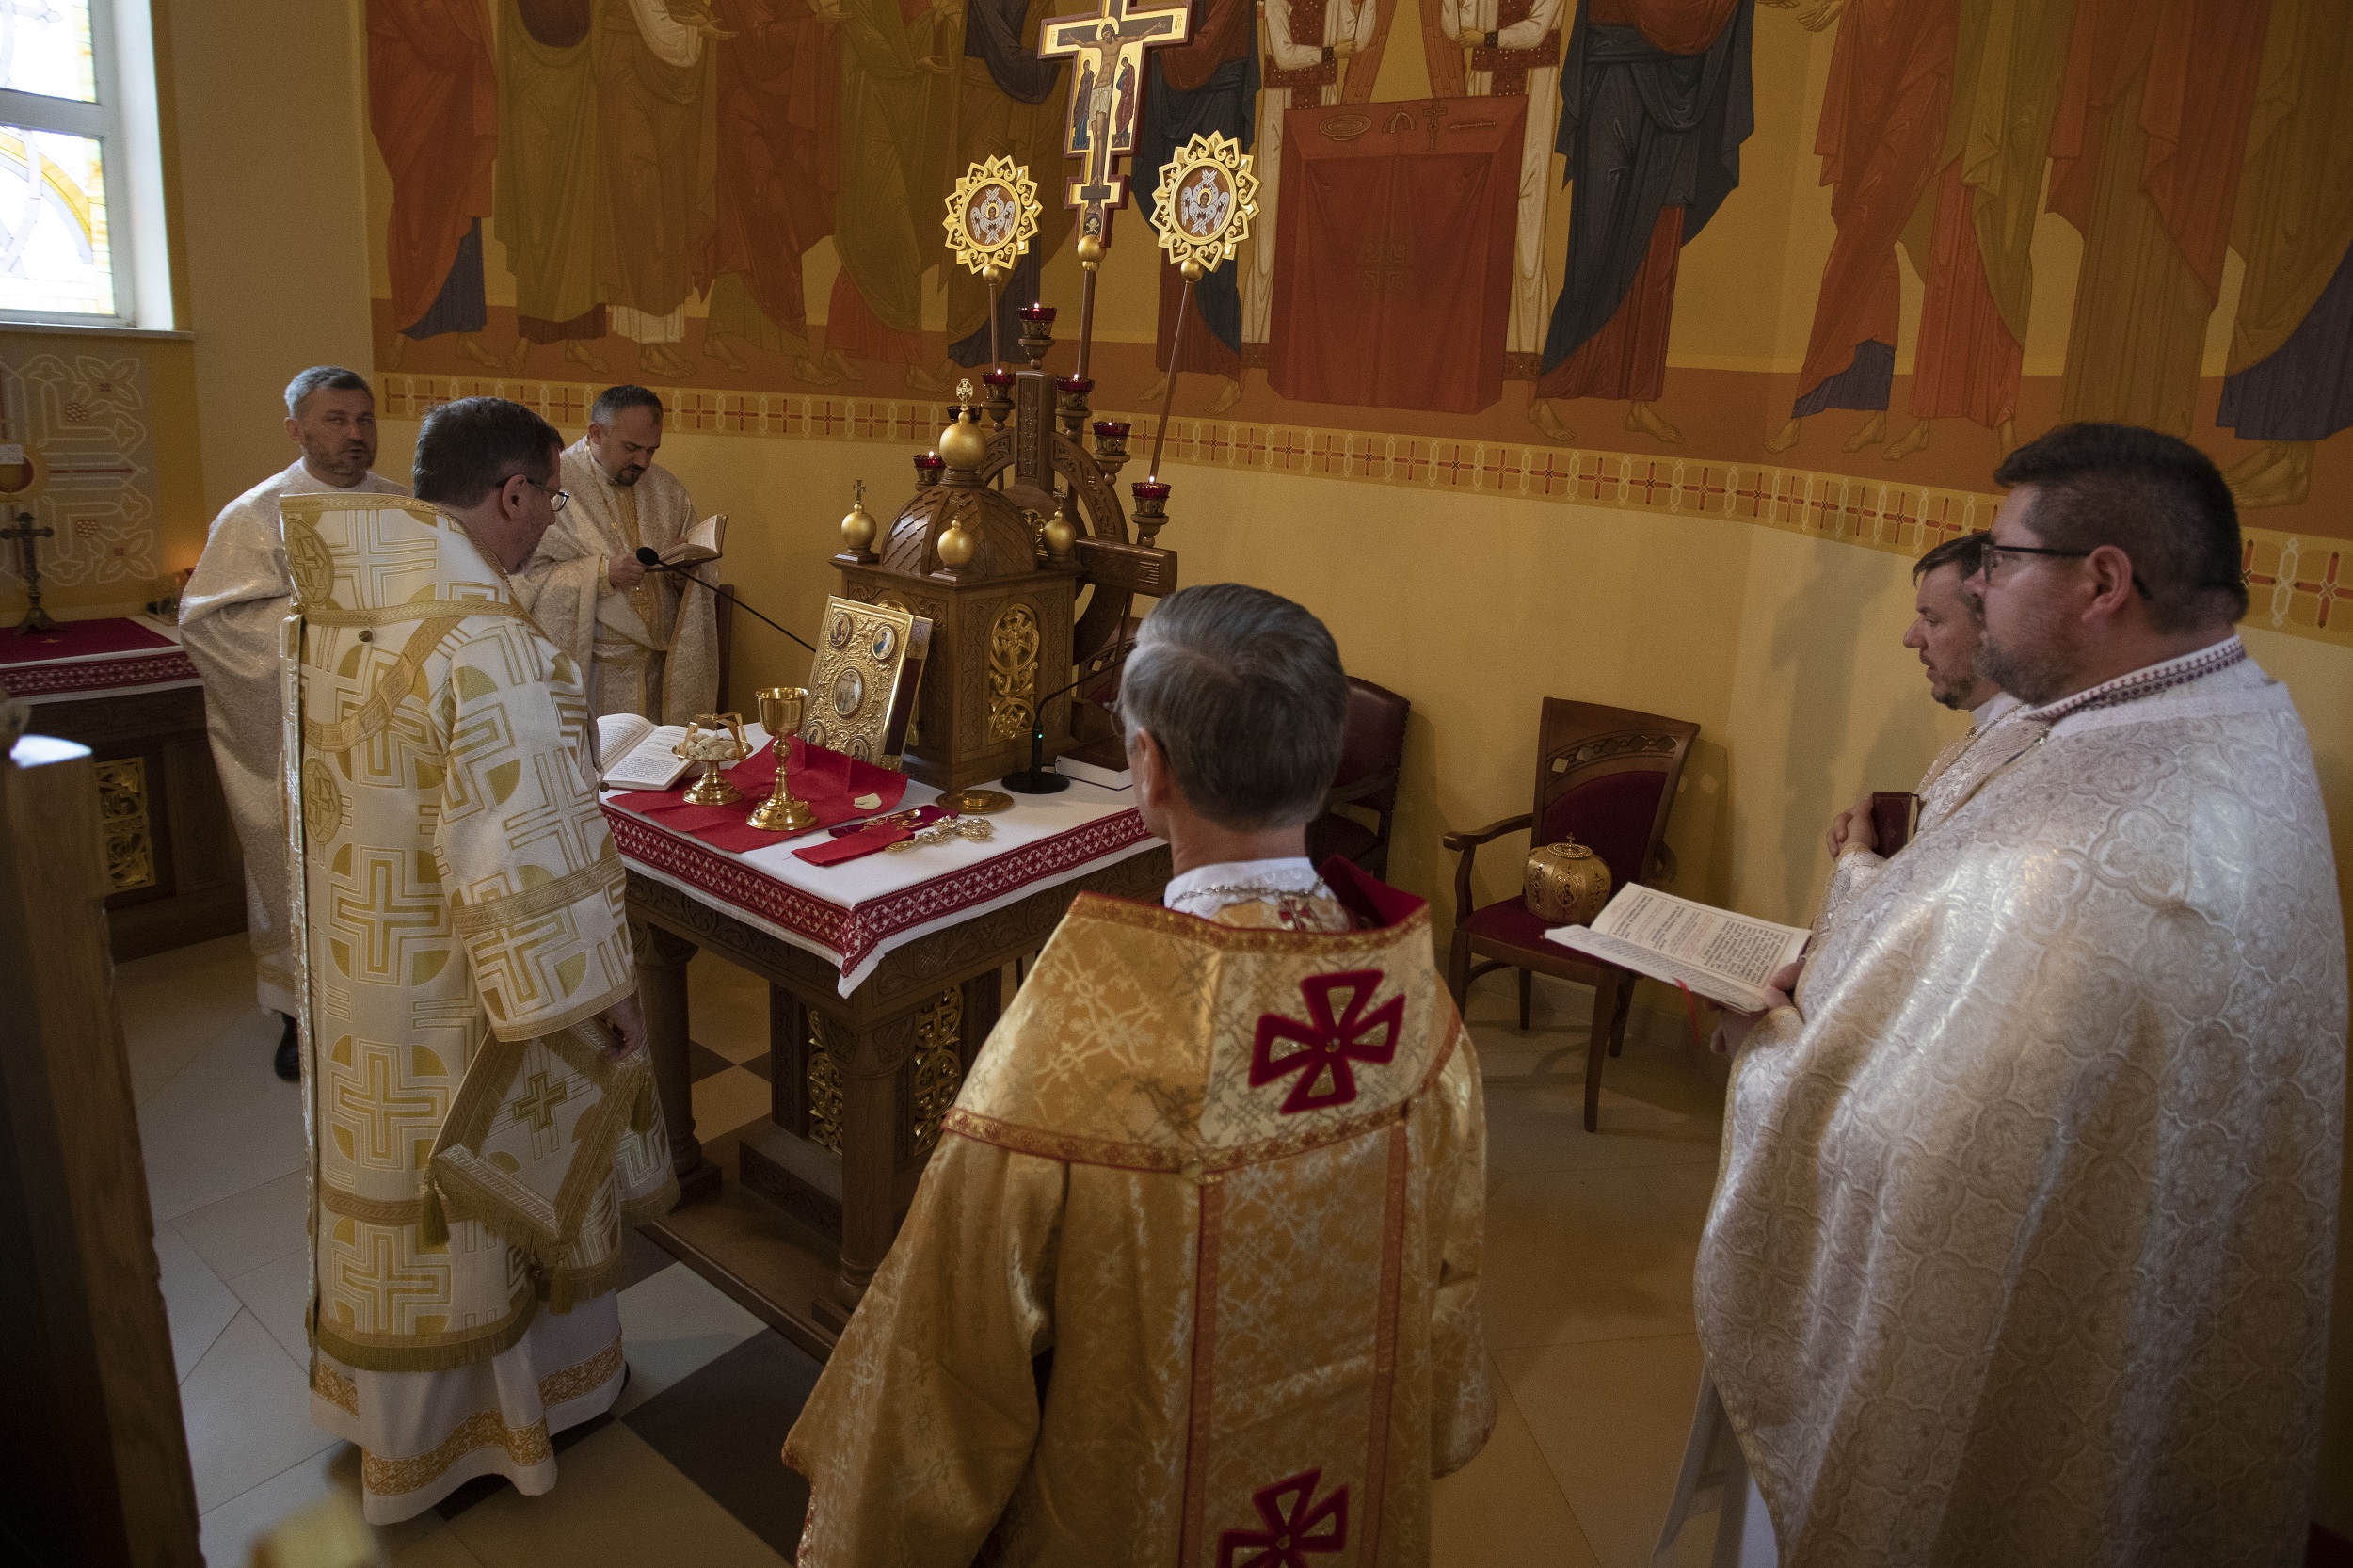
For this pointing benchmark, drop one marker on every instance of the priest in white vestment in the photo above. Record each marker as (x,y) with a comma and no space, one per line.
(229,619)
(1192,1276)
(646,641)
(1307,47)
(1947,627)
(466,953)
(2022,1247)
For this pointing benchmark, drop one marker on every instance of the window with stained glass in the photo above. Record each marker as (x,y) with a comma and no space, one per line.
(62,246)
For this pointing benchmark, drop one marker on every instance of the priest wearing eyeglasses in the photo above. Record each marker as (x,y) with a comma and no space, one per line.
(2022,1247)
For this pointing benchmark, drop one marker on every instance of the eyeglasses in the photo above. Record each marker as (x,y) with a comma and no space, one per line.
(557,499)
(1991,559)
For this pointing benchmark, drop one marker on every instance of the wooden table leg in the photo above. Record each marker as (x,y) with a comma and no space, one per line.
(662,959)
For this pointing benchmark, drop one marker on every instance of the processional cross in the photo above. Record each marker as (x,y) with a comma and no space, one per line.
(1108,47)
(36,618)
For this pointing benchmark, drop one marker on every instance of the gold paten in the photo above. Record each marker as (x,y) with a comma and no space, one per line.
(938,1064)
(976,803)
(716,740)
(123,810)
(780,715)
(1566,883)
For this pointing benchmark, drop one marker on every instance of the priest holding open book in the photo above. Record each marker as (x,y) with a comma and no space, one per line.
(647,638)
(2022,1248)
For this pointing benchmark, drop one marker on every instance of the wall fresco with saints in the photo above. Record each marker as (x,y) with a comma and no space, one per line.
(1886,238)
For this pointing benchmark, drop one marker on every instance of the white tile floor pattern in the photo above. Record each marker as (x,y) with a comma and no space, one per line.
(1589,1244)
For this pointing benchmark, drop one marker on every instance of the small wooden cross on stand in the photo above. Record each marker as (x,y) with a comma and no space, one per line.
(36,618)
(1108,48)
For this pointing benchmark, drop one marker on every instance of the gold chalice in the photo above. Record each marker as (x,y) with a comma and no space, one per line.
(716,740)
(780,715)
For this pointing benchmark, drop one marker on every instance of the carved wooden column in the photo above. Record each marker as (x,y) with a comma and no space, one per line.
(662,960)
(868,1060)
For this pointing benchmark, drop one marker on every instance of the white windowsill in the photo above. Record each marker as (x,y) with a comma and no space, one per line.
(61,327)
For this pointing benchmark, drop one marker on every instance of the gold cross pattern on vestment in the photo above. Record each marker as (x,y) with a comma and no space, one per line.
(1106,96)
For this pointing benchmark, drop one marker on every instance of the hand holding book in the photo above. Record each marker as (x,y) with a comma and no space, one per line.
(1732,960)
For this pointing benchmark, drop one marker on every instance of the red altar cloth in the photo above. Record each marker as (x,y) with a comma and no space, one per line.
(1393,253)
(78,639)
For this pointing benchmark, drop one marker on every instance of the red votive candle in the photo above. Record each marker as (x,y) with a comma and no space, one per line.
(1077,386)
(998,377)
(1037,312)
(1112,430)
(1151,489)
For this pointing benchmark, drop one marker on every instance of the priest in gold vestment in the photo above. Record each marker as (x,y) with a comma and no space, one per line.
(2021,1245)
(462,903)
(1192,1276)
(228,620)
(645,642)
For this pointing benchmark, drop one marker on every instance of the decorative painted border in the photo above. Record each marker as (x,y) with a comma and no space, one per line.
(66,678)
(2296,582)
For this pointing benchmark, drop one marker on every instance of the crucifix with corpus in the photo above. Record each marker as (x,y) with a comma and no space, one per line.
(1108,46)
(25,535)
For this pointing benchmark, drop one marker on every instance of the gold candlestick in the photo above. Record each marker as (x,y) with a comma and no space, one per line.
(780,715)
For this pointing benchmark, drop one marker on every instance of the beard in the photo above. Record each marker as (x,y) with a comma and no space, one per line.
(2033,664)
(341,459)
(628,474)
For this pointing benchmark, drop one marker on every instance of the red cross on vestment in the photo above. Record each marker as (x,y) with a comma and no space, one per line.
(1319,1050)
(1294,1525)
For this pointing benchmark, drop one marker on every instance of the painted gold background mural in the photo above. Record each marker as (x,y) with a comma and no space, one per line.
(1879,238)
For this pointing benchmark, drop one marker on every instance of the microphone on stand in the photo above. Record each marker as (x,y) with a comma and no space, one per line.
(652,560)
(1037,781)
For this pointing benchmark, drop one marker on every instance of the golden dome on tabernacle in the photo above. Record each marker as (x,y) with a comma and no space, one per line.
(963,444)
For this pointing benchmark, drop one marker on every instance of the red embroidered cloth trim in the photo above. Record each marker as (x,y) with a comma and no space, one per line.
(71,678)
(2145,682)
(854,932)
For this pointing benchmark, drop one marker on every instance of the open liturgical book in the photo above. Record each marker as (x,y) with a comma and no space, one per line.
(638,754)
(1725,958)
(703,542)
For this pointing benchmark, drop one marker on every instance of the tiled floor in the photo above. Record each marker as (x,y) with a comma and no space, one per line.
(1590,1243)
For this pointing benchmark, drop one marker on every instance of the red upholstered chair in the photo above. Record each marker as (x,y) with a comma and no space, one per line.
(1604,776)
(1370,758)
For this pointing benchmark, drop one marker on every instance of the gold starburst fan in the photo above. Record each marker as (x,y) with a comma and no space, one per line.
(1203,206)
(992,216)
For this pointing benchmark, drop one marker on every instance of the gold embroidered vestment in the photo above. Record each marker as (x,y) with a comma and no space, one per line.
(1193,1268)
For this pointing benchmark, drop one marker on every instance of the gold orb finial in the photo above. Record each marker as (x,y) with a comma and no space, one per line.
(1089,250)
(857,524)
(962,446)
(955,546)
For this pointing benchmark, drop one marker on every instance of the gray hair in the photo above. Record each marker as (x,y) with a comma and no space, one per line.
(324,378)
(613,400)
(1243,690)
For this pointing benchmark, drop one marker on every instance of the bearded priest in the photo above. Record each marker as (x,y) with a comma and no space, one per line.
(1192,1276)
(228,620)
(645,642)
(467,956)
(2022,1248)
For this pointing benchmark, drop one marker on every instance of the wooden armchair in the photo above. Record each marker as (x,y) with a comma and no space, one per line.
(1604,776)
(1370,758)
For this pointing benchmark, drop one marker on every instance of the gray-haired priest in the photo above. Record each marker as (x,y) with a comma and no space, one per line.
(645,641)
(1192,1276)
(229,619)
(2023,1244)
(478,1138)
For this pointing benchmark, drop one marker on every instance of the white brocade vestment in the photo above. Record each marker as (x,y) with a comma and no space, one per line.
(650,651)
(229,619)
(2022,1247)
(459,886)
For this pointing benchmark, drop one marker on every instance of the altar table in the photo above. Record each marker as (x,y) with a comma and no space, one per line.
(883,977)
(124,687)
